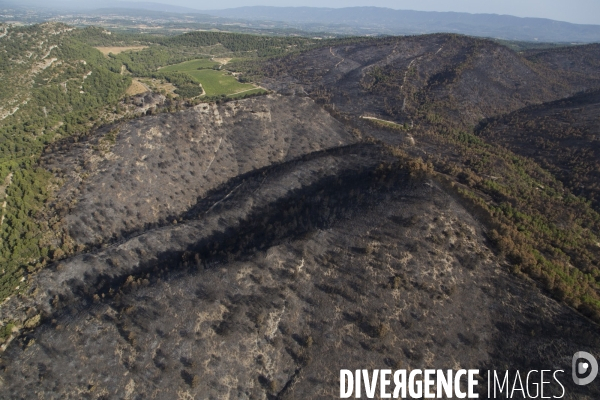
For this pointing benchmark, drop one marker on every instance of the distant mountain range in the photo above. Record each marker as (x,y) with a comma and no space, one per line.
(362,20)
(389,21)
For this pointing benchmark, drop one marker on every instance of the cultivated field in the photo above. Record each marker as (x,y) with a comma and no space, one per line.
(214,82)
(218,82)
(117,50)
(190,66)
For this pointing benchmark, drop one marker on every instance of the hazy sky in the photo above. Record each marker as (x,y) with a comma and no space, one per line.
(577,11)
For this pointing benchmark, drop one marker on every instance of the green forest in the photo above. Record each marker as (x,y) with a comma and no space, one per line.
(65,99)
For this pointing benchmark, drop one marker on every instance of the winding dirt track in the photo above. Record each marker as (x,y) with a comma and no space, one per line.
(341,58)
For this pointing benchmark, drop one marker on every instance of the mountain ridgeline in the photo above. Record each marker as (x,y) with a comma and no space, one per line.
(160,19)
(364,20)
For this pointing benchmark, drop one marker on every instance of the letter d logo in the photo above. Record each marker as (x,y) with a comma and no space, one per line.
(581,368)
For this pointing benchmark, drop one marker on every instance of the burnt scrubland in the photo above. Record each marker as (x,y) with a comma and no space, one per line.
(274,282)
(452,79)
(436,89)
(402,203)
(561,136)
(158,166)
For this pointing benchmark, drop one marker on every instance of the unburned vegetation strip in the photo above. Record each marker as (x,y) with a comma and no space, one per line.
(67,99)
(544,231)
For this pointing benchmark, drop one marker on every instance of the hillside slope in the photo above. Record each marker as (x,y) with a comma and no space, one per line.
(425,95)
(562,136)
(124,179)
(457,78)
(51,86)
(574,63)
(345,258)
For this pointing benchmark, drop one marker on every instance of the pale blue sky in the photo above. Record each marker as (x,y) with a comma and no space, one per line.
(577,11)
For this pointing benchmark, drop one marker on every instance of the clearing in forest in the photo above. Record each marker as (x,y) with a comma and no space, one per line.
(214,82)
(190,66)
(117,50)
(136,87)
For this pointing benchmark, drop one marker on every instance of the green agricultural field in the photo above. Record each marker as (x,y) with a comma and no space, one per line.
(218,82)
(214,82)
(189,66)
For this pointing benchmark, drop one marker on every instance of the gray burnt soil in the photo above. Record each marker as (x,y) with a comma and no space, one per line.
(274,282)
(160,165)
(461,78)
(289,260)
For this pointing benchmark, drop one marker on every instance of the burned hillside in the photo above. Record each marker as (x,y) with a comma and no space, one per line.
(354,218)
(146,172)
(562,136)
(453,78)
(345,258)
